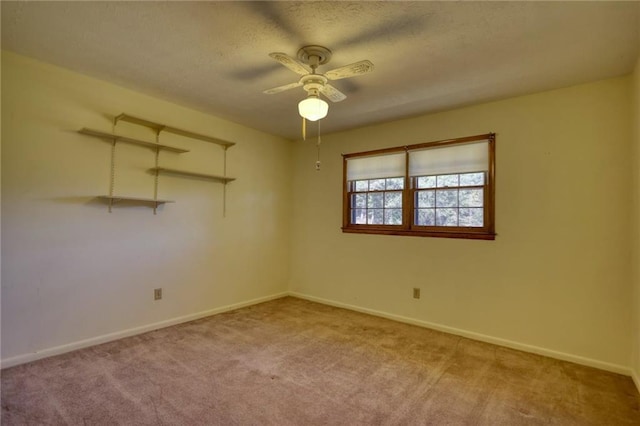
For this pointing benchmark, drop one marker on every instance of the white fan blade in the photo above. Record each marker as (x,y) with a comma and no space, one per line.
(333,94)
(351,70)
(290,63)
(282,88)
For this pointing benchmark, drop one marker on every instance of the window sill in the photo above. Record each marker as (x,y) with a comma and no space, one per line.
(437,234)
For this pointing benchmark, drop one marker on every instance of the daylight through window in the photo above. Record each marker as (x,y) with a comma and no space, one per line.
(442,189)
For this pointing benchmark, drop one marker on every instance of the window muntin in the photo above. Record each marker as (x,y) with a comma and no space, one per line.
(455,200)
(443,188)
(377,201)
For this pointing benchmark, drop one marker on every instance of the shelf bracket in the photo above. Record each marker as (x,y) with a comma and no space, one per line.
(112,177)
(155,180)
(224,187)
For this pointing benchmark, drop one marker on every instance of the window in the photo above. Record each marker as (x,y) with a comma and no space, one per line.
(441,189)
(378,201)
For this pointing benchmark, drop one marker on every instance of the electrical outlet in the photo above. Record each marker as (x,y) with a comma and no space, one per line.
(157,293)
(416,293)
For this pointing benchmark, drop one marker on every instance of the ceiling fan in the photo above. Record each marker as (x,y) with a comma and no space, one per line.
(313,108)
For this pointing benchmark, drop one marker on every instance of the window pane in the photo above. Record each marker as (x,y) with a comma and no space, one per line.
(376,200)
(447,180)
(395,183)
(469,179)
(425,199)
(446,217)
(375,217)
(393,217)
(471,217)
(393,199)
(359,216)
(471,197)
(376,185)
(427,182)
(362,185)
(447,198)
(359,201)
(425,217)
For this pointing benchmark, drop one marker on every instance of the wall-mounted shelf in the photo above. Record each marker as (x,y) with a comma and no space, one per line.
(157,146)
(116,198)
(224,179)
(119,138)
(170,129)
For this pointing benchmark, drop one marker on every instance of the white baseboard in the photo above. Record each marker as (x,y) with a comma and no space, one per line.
(57,350)
(620,369)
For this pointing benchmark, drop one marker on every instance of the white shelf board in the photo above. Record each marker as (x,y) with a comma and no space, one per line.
(117,198)
(120,138)
(224,179)
(170,129)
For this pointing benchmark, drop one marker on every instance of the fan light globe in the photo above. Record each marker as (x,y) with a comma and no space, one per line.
(313,108)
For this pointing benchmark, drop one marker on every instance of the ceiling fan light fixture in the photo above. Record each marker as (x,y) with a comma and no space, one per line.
(313,108)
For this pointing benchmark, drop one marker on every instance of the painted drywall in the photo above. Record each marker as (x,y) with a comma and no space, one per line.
(72,271)
(0,218)
(556,278)
(635,226)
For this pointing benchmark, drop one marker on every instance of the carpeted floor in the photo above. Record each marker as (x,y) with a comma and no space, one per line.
(294,362)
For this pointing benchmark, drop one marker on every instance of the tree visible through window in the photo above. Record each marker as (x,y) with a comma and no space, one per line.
(450,200)
(440,189)
(377,201)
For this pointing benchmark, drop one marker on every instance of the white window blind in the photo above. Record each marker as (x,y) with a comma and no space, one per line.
(470,157)
(379,166)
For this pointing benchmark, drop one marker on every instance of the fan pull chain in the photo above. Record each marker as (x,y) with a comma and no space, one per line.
(304,129)
(318,148)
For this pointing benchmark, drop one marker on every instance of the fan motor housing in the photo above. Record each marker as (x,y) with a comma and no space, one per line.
(313,82)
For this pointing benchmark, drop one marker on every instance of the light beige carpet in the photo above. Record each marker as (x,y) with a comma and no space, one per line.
(293,362)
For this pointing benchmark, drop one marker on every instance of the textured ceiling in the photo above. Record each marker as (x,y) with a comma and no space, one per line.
(428,56)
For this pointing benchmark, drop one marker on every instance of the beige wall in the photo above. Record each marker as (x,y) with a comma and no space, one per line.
(72,271)
(635,363)
(557,277)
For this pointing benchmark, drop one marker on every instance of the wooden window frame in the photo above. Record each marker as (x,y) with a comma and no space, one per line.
(486,232)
